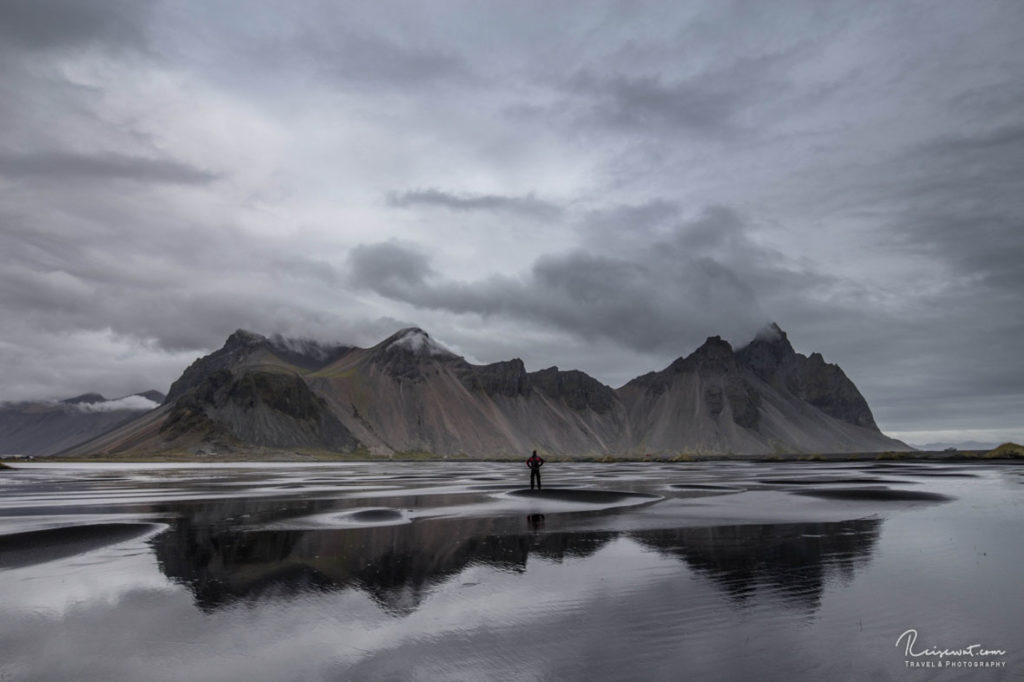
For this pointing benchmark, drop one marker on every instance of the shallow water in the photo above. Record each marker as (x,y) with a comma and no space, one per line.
(731,570)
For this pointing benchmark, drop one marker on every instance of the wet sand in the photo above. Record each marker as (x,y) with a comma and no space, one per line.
(727,570)
(587,496)
(875,494)
(36,547)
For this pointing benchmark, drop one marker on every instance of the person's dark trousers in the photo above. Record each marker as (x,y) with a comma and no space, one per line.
(535,474)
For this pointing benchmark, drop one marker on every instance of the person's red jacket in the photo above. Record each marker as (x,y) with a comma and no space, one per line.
(535,462)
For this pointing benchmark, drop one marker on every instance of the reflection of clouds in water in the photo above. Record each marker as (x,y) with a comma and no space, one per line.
(162,634)
(101,577)
(436,598)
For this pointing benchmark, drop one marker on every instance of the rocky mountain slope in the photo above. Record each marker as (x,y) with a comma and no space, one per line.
(45,428)
(410,394)
(764,398)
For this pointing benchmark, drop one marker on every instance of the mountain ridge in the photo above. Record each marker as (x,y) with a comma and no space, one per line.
(41,428)
(409,393)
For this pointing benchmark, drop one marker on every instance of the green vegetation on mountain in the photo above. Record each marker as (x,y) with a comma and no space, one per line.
(1006,451)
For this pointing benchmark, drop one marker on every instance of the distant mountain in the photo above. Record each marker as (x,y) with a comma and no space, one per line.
(958,445)
(45,428)
(411,394)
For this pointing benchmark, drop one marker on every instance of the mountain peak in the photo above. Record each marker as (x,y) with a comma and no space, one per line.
(767,352)
(408,393)
(770,343)
(156,396)
(244,337)
(714,345)
(773,334)
(417,342)
(85,398)
(714,354)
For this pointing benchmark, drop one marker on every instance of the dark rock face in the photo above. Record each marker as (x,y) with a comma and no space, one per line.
(745,403)
(236,349)
(810,379)
(285,393)
(577,390)
(261,408)
(242,345)
(715,357)
(404,355)
(506,378)
(723,380)
(767,353)
(826,387)
(399,363)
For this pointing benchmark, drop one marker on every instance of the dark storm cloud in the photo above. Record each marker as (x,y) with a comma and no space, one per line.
(177,314)
(968,204)
(175,283)
(63,166)
(660,296)
(57,24)
(646,102)
(391,268)
(711,101)
(873,156)
(528,205)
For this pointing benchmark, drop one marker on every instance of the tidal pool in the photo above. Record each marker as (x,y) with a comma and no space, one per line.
(445,571)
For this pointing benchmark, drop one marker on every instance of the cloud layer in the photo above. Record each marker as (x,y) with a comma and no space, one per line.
(584,184)
(130,402)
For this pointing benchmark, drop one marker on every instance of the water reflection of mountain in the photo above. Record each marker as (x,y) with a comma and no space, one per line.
(398,565)
(793,560)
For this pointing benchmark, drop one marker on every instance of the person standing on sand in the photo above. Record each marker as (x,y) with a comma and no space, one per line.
(535,463)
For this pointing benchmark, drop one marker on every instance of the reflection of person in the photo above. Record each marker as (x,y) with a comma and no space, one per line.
(536,521)
(535,463)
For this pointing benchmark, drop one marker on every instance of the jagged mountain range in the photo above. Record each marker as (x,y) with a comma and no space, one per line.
(40,428)
(411,394)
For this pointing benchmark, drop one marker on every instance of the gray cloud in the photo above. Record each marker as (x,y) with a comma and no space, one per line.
(130,402)
(56,24)
(711,101)
(871,157)
(646,102)
(63,166)
(968,204)
(660,296)
(391,268)
(372,59)
(528,205)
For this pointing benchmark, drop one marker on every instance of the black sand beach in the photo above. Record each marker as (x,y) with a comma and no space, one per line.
(721,570)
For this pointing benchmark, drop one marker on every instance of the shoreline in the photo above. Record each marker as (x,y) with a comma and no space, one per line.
(1005,453)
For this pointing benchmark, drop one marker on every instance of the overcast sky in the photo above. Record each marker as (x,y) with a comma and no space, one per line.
(591,185)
